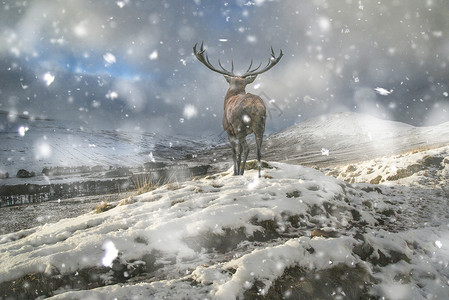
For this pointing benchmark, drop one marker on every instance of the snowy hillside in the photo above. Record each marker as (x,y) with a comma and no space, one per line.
(339,138)
(350,137)
(35,144)
(294,233)
(332,139)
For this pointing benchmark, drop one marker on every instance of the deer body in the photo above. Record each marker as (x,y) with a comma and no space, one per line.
(244,113)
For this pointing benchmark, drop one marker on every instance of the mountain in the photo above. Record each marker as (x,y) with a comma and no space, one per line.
(350,137)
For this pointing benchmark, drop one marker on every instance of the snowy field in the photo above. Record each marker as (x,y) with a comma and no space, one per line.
(19,217)
(295,233)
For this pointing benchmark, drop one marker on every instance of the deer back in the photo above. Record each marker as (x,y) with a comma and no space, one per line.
(244,114)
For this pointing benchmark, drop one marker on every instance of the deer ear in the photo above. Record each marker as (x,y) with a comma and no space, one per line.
(228,78)
(250,79)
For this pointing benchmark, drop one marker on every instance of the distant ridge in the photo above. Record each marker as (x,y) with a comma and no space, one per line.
(26,117)
(339,138)
(350,136)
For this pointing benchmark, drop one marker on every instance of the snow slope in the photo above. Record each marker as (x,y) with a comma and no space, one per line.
(292,233)
(337,139)
(34,144)
(350,137)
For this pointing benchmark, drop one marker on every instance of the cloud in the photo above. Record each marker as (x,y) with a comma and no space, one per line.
(131,93)
(140,54)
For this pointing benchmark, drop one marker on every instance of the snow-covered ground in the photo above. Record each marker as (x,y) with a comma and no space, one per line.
(19,217)
(294,233)
(81,155)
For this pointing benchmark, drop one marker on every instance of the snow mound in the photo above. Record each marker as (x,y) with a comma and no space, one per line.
(293,232)
(411,168)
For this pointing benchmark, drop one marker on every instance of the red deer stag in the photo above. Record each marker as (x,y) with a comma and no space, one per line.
(244,113)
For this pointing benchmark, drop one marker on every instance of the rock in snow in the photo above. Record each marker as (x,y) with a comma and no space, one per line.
(229,237)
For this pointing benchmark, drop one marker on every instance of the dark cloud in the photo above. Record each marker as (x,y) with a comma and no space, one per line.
(129,63)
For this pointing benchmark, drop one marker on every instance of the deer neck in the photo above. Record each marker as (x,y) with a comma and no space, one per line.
(233,91)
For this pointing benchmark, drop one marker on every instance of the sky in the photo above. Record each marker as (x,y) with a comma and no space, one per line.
(129,64)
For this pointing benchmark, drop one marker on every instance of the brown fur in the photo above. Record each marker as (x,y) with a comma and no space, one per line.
(244,113)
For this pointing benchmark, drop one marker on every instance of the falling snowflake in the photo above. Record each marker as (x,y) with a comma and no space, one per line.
(112,95)
(324,152)
(251,39)
(80,29)
(22,130)
(42,150)
(96,103)
(48,78)
(109,58)
(253,184)
(151,157)
(324,24)
(153,55)
(246,119)
(110,253)
(383,92)
(190,111)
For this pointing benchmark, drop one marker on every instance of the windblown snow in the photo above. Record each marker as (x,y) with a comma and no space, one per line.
(295,233)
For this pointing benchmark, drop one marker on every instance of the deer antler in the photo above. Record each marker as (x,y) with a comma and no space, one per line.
(271,63)
(202,57)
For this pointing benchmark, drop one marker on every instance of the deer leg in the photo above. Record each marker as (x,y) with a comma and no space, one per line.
(239,157)
(259,153)
(235,147)
(245,150)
